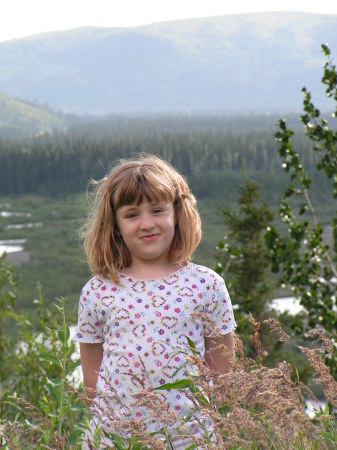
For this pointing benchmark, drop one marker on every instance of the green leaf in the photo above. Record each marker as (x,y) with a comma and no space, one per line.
(325,49)
(74,436)
(64,337)
(54,389)
(191,344)
(51,357)
(118,441)
(72,366)
(181,384)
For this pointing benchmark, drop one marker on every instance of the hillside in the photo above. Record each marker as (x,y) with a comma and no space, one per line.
(248,62)
(19,118)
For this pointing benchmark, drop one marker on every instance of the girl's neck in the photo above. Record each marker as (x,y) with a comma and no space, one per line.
(147,272)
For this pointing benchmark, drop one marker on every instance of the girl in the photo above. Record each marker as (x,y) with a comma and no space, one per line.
(144,300)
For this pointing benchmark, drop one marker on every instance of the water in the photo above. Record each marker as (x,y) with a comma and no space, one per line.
(287,304)
(12,246)
(15,245)
(14,214)
(19,226)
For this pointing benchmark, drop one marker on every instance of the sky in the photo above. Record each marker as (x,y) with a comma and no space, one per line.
(21,18)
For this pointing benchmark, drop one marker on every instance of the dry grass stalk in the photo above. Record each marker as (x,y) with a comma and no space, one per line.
(255,339)
(251,407)
(322,374)
(275,327)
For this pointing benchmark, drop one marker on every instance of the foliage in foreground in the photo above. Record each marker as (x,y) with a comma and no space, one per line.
(43,406)
(305,260)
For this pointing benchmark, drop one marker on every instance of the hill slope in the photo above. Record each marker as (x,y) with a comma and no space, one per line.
(253,62)
(18,118)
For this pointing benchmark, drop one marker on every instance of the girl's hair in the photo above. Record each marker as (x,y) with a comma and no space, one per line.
(130,182)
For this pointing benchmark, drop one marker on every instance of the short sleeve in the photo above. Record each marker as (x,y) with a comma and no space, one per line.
(90,328)
(219,310)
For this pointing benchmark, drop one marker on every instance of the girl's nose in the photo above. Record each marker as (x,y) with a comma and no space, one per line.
(146,222)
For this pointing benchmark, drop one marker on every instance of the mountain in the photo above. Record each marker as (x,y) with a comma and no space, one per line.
(19,118)
(248,62)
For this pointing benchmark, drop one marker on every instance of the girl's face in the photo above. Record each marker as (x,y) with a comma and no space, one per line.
(147,230)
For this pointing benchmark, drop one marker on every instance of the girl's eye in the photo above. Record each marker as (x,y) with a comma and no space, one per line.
(131,216)
(157,211)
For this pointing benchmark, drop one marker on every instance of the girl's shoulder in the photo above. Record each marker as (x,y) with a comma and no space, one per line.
(97,283)
(204,273)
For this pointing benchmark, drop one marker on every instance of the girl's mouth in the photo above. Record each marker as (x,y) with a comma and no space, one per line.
(149,237)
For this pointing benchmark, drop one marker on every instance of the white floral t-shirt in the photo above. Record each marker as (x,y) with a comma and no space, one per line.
(142,324)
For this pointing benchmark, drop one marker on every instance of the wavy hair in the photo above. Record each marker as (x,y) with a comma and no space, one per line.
(130,181)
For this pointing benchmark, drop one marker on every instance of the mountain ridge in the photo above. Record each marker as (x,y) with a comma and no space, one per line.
(239,63)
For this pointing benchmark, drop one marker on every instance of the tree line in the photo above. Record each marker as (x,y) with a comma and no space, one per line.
(64,161)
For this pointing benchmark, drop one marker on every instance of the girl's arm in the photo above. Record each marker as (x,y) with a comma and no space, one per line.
(91,359)
(216,357)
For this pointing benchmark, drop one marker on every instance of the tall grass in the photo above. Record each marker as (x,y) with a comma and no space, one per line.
(253,407)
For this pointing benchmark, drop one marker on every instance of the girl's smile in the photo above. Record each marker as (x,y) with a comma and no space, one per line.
(150,237)
(147,230)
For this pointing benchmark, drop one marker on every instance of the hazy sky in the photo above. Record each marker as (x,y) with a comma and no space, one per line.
(20,18)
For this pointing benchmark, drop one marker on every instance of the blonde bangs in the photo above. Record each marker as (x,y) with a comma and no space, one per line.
(139,184)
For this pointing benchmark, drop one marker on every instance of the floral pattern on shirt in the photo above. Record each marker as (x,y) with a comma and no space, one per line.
(141,324)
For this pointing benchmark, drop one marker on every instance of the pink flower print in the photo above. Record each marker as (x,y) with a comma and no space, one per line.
(177,358)
(161,287)
(130,355)
(166,307)
(103,288)
(96,324)
(194,300)
(190,333)
(137,316)
(138,414)
(137,364)
(146,354)
(177,310)
(161,381)
(130,306)
(131,322)
(116,382)
(150,293)
(114,289)
(161,331)
(118,335)
(194,286)
(158,314)
(149,339)
(200,295)
(166,356)
(177,408)
(158,363)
